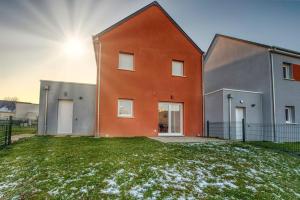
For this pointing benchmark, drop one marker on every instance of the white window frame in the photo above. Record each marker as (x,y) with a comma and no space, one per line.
(169,133)
(182,70)
(289,114)
(131,108)
(287,70)
(127,68)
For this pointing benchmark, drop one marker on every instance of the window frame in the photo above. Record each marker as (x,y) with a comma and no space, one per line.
(131,110)
(129,54)
(289,113)
(287,69)
(183,71)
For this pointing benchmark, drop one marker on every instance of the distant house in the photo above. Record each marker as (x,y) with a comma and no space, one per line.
(66,108)
(7,109)
(19,110)
(251,81)
(149,78)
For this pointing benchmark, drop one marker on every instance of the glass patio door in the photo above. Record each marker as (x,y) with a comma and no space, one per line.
(170,119)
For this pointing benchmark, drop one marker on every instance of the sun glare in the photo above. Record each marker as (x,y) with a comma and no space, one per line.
(73,46)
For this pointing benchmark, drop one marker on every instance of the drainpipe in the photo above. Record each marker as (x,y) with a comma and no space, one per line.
(229,97)
(203,94)
(273,96)
(46,88)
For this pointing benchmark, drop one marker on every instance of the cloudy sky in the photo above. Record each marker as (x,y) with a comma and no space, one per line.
(39,38)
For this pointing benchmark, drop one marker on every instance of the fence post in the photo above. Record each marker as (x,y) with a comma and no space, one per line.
(244,130)
(9,130)
(5,126)
(207,128)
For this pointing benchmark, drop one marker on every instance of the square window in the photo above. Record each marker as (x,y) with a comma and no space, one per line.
(125,108)
(177,68)
(287,71)
(290,114)
(126,61)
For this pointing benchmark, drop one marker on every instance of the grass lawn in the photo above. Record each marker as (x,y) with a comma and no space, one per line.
(293,147)
(140,168)
(16,130)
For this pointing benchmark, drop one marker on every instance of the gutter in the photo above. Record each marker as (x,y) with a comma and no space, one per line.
(276,50)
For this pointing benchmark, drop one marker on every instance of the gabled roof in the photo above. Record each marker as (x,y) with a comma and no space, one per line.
(154,3)
(270,48)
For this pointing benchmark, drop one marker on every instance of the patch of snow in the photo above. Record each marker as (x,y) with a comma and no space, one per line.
(242,149)
(112,187)
(53,192)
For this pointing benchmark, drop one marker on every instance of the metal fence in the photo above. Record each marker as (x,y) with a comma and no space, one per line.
(24,126)
(280,136)
(5,132)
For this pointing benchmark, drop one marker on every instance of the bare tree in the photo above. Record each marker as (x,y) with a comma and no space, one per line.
(13,99)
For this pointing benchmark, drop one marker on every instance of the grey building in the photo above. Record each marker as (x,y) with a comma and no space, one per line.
(19,110)
(255,82)
(66,108)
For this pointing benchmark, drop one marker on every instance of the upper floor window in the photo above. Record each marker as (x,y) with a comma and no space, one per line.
(125,108)
(126,61)
(287,71)
(177,68)
(290,114)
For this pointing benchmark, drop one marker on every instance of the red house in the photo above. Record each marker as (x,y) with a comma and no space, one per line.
(149,78)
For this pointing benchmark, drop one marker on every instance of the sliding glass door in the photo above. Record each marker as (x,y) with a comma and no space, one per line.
(170,119)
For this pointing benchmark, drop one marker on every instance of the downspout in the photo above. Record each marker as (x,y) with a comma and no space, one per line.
(46,88)
(273,96)
(229,115)
(98,93)
(203,95)
(97,49)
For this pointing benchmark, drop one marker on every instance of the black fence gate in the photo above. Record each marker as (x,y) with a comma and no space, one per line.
(5,132)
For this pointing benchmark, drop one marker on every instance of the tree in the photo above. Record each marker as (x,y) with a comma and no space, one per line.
(13,99)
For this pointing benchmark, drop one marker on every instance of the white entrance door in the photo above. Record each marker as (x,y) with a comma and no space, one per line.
(170,119)
(239,116)
(65,117)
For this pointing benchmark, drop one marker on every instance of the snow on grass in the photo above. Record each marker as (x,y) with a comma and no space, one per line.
(166,171)
(112,187)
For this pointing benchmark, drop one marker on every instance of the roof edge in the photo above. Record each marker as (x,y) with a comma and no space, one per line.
(68,82)
(271,48)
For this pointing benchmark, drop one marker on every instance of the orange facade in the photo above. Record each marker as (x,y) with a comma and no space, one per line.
(154,40)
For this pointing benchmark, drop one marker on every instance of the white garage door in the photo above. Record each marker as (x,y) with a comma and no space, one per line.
(65,117)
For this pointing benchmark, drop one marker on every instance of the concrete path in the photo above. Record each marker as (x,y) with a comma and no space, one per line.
(187,139)
(15,138)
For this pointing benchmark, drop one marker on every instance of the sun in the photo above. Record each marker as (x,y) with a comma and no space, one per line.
(73,46)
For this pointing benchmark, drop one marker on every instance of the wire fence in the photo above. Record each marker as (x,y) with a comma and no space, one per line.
(5,132)
(285,137)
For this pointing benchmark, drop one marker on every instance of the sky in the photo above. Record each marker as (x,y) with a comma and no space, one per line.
(51,39)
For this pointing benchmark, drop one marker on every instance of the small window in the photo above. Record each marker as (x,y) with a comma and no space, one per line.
(126,61)
(290,114)
(287,71)
(125,108)
(177,68)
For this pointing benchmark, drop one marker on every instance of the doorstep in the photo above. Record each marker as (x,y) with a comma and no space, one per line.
(166,139)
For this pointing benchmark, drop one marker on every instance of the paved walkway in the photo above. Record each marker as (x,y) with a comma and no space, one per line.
(187,139)
(15,138)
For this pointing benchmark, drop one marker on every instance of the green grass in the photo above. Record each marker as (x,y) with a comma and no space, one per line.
(16,130)
(140,168)
(291,147)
